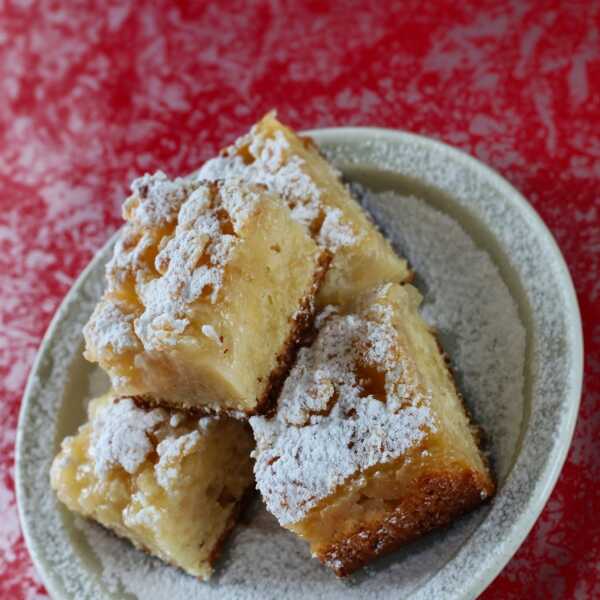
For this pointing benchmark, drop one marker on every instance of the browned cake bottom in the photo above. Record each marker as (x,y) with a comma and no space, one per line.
(393,504)
(236,513)
(441,498)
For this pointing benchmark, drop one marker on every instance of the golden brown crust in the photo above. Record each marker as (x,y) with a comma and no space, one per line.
(410,278)
(231,523)
(477,431)
(301,325)
(149,402)
(437,499)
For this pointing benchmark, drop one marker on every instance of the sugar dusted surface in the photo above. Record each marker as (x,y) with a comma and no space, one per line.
(334,234)
(120,436)
(162,199)
(110,330)
(282,173)
(168,298)
(327,428)
(188,265)
(468,303)
(170,450)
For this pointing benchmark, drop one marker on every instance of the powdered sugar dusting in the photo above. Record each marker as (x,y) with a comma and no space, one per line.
(110,330)
(120,436)
(155,200)
(328,427)
(276,167)
(128,259)
(334,233)
(183,274)
(189,262)
(172,449)
(123,435)
(470,306)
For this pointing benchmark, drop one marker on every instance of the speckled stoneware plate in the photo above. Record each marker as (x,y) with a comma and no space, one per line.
(504,272)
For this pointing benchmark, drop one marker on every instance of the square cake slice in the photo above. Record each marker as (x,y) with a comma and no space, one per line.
(169,482)
(370,446)
(292,167)
(209,290)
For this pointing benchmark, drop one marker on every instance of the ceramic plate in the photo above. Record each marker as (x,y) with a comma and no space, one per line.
(530,431)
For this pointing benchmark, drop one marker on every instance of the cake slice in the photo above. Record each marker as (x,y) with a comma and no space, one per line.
(292,167)
(370,446)
(169,482)
(209,290)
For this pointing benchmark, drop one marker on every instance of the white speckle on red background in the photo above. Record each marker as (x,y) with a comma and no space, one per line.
(93,97)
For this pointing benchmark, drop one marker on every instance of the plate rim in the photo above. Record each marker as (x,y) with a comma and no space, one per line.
(476,582)
(544,487)
(49,579)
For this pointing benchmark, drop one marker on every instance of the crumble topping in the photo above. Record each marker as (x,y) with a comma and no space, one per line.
(282,173)
(124,434)
(130,258)
(334,234)
(109,330)
(155,200)
(140,512)
(188,265)
(170,451)
(332,422)
(120,436)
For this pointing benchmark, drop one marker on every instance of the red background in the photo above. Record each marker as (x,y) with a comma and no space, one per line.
(91,97)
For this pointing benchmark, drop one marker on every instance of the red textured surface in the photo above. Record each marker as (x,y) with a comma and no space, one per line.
(91,97)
